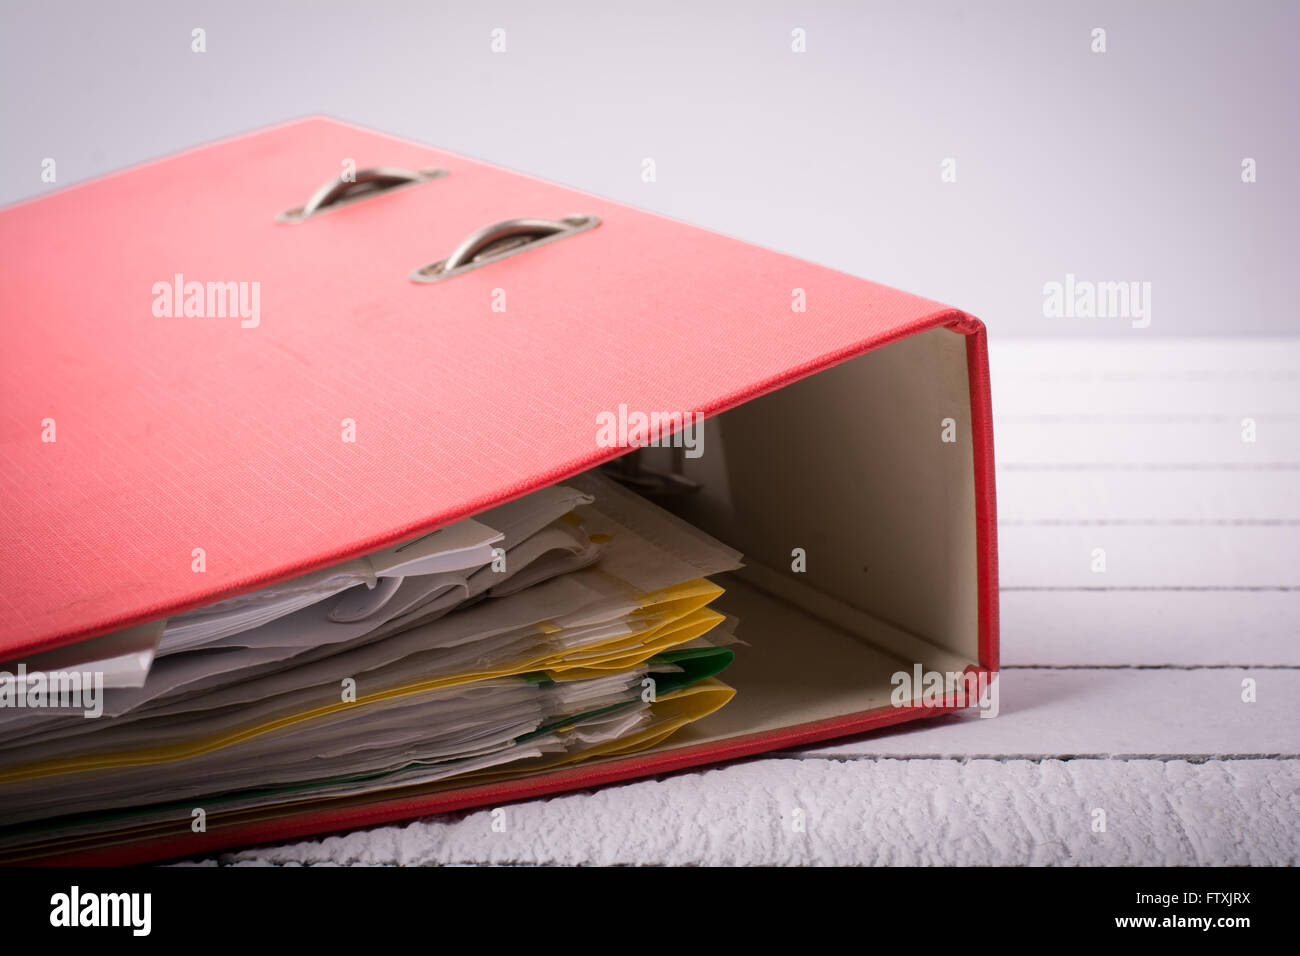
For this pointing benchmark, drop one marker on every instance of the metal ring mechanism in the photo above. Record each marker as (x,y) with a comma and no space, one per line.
(362,184)
(502,239)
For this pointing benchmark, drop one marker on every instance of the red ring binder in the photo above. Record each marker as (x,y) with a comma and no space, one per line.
(824,399)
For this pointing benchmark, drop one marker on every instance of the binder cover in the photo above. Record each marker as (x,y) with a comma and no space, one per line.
(135,433)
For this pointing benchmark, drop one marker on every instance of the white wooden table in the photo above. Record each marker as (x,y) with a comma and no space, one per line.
(1121,690)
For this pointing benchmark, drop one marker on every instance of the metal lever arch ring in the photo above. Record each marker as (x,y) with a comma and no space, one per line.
(361,185)
(502,239)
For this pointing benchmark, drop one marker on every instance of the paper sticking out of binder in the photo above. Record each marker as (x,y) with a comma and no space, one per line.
(375,555)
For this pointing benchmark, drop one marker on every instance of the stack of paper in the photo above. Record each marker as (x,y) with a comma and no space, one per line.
(566,625)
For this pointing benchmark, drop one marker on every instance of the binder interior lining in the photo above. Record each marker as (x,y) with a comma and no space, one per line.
(851,465)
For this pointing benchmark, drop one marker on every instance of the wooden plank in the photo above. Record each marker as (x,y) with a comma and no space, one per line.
(1063,444)
(865,812)
(1152,497)
(1260,395)
(1139,356)
(1204,556)
(1047,713)
(1150,628)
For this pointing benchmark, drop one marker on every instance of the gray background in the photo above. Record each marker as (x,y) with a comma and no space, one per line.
(1116,166)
